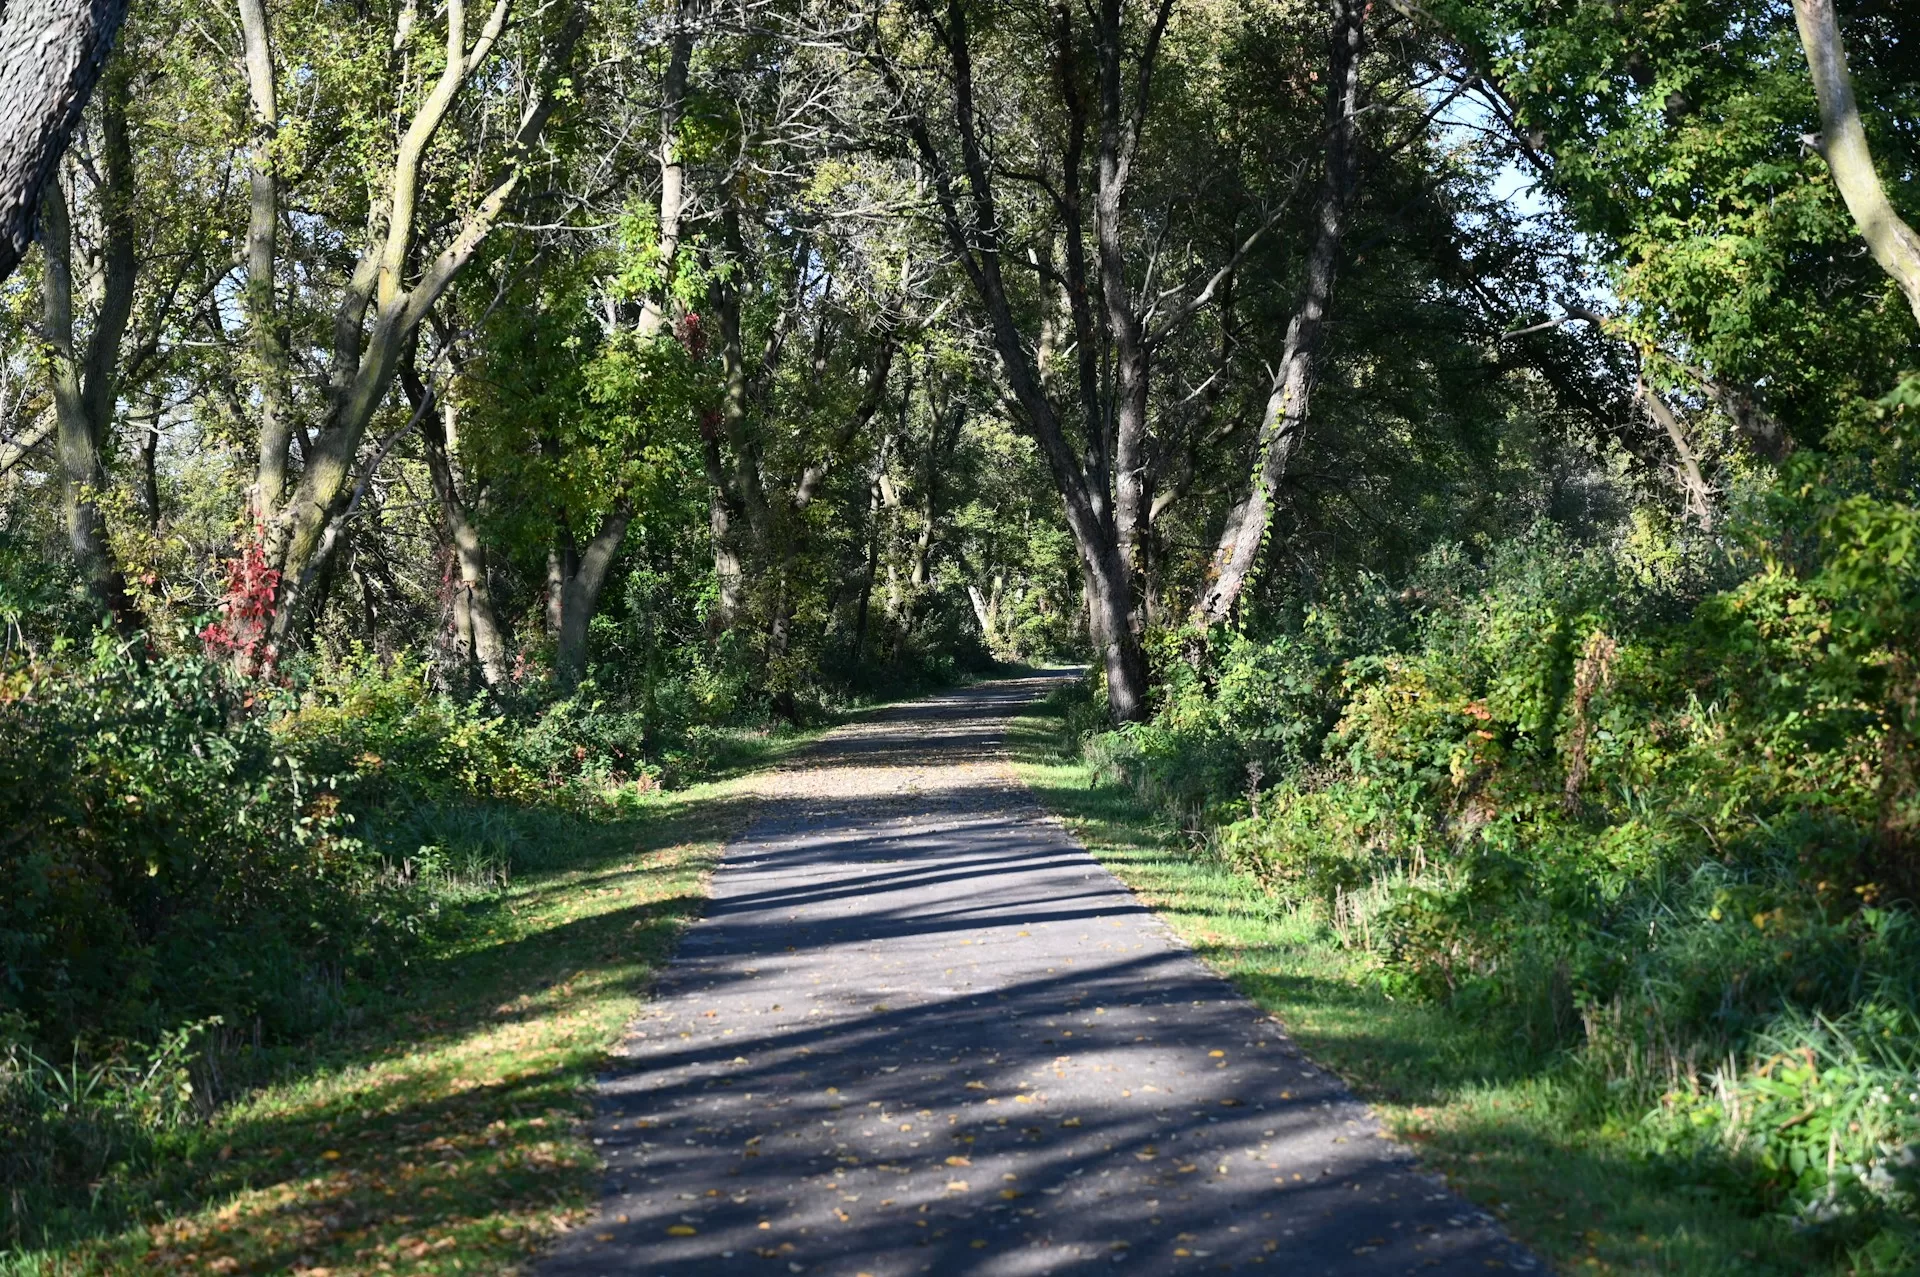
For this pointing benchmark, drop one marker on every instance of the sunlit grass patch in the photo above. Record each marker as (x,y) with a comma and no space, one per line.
(1523,1136)
(447,1134)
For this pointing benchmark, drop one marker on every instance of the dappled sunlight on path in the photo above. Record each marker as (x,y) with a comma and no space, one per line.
(921,1030)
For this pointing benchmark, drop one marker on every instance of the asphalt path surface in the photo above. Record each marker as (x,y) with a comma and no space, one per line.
(921,1030)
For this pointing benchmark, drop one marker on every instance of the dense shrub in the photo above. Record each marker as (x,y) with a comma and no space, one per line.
(1652,810)
(193,866)
(153,826)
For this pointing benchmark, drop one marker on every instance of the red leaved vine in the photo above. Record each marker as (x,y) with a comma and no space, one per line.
(246,611)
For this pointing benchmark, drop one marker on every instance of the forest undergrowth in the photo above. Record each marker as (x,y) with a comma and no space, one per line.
(1594,863)
(314,976)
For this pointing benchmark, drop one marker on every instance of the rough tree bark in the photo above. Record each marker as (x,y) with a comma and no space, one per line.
(84,377)
(1289,401)
(51,53)
(1843,144)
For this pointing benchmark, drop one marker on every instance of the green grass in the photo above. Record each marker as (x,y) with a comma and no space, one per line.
(1521,1136)
(445,1133)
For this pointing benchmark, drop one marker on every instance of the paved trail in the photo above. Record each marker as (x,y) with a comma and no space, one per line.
(920,1030)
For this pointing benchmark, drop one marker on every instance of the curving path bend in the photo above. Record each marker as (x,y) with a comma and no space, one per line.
(921,1030)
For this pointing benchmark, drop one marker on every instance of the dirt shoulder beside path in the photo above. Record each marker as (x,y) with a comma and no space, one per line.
(921,1030)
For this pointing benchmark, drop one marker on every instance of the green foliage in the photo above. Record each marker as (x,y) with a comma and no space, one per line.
(1674,133)
(78,1123)
(1654,820)
(199,872)
(166,859)
(1675,137)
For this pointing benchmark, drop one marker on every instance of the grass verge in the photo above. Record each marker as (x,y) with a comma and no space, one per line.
(445,1133)
(1521,1139)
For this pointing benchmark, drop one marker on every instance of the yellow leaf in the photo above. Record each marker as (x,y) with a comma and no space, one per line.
(976,1086)
(681,1230)
(1216,1055)
(331,1155)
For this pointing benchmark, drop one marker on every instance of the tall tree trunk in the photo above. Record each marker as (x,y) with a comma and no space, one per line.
(51,53)
(1289,400)
(673,100)
(976,234)
(85,378)
(483,639)
(1118,142)
(873,566)
(579,595)
(728,575)
(561,561)
(150,465)
(745,486)
(1843,143)
(272,370)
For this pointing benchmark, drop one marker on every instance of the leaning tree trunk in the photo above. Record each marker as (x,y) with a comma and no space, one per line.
(1693,484)
(377,314)
(1285,418)
(1843,143)
(50,56)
